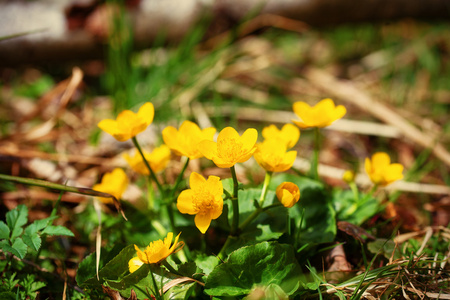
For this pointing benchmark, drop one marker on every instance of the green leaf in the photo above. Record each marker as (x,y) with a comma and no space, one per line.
(41,224)
(180,291)
(114,269)
(4,230)
(86,270)
(57,230)
(228,185)
(257,265)
(349,209)
(140,281)
(18,248)
(206,263)
(16,218)
(31,237)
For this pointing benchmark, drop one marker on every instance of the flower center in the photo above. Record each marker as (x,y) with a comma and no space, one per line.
(204,201)
(229,149)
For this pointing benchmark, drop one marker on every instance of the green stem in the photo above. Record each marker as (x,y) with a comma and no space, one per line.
(221,254)
(354,189)
(372,190)
(179,178)
(235,203)
(155,285)
(267,179)
(152,174)
(171,217)
(315,162)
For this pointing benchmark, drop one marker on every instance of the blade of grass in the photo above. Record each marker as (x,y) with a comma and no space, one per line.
(64,188)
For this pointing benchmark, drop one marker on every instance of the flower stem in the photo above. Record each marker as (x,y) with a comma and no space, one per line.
(267,179)
(315,162)
(355,192)
(155,286)
(179,178)
(235,203)
(152,174)
(221,254)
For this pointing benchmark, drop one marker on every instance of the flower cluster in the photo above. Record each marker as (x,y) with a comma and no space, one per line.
(205,196)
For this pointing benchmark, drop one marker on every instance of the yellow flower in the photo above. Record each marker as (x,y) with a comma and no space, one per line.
(321,115)
(155,252)
(157,159)
(184,142)
(128,124)
(230,147)
(288,194)
(348,176)
(289,134)
(114,183)
(203,199)
(381,171)
(272,156)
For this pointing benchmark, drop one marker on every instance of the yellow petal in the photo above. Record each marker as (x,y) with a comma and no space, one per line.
(208,133)
(270,131)
(202,221)
(300,124)
(174,245)
(196,180)
(168,239)
(248,138)
(215,213)
(169,135)
(288,161)
(108,126)
(325,105)
(339,112)
(221,163)
(185,202)
(134,264)
(147,112)
(394,172)
(380,159)
(301,108)
(228,133)
(188,127)
(368,165)
(291,134)
(287,199)
(208,149)
(214,185)
(142,256)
